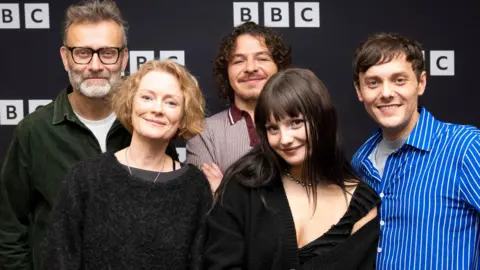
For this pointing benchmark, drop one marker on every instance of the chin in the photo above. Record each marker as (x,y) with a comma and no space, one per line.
(154,137)
(294,161)
(96,92)
(392,127)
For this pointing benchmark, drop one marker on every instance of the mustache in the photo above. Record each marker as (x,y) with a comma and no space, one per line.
(92,75)
(252,77)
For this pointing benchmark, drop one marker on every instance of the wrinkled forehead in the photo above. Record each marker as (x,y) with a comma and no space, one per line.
(95,34)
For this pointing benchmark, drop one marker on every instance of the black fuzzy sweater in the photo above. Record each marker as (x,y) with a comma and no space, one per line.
(107,219)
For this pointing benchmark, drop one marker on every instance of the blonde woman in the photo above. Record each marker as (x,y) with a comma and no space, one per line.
(138,208)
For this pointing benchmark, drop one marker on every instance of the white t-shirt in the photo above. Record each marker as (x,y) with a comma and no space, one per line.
(99,128)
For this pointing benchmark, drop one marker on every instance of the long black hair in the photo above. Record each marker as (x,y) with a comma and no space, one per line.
(289,93)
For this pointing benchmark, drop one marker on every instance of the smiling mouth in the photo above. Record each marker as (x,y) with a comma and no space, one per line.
(156,122)
(252,80)
(291,149)
(387,107)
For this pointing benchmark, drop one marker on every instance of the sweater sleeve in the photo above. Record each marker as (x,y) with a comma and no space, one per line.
(200,149)
(64,237)
(225,246)
(16,190)
(358,252)
(196,250)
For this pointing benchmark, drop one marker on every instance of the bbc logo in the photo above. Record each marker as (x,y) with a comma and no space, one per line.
(11,111)
(277,14)
(137,58)
(37,16)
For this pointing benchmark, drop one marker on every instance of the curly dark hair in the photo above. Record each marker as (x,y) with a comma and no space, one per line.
(281,54)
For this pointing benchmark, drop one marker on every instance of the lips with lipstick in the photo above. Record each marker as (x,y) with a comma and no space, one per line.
(156,122)
(290,150)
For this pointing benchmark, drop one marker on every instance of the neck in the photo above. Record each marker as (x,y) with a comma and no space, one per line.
(393,135)
(147,154)
(248,106)
(296,172)
(90,108)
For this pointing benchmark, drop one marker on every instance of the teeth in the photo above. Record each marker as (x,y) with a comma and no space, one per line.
(388,107)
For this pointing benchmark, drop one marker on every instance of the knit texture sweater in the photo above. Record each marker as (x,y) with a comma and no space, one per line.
(108,219)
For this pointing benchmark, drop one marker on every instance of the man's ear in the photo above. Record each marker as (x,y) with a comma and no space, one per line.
(64,55)
(422,83)
(124,59)
(359,93)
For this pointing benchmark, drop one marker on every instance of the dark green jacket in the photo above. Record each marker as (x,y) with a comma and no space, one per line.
(44,146)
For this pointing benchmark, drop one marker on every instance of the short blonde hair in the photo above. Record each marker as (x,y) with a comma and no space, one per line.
(193,106)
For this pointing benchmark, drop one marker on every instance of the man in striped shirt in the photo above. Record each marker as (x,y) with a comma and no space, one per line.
(248,57)
(427,172)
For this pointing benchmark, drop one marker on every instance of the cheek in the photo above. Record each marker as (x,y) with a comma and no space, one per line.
(139,108)
(412,98)
(302,136)
(272,140)
(112,68)
(272,69)
(233,73)
(368,97)
(175,116)
(77,69)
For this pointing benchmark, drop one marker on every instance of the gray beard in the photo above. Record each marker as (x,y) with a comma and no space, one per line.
(94,90)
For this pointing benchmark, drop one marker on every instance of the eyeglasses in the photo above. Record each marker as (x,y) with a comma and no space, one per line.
(84,55)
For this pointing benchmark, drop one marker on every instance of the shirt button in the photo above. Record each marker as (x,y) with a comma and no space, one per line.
(382,195)
(379,249)
(382,223)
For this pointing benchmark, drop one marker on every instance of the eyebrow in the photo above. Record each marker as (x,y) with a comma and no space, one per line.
(94,47)
(255,54)
(393,75)
(154,93)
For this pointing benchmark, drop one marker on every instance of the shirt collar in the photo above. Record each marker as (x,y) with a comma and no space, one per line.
(422,135)
(235,114)
(62,108)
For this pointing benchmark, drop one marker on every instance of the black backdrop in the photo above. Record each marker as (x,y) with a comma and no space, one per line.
(32,72)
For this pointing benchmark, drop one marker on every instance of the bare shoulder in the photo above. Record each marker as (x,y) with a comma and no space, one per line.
(367,218)
(350,187)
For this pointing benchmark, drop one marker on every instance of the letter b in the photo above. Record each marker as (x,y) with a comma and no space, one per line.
(11,112)
(9,16)
(276,14)
(137,58)
(244,12)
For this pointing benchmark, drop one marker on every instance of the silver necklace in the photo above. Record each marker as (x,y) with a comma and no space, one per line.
(130,171)
(296,180)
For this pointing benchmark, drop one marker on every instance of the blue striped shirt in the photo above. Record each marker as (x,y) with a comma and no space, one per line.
(430,191)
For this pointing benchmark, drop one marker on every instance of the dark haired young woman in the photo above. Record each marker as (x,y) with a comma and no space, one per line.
(293,202)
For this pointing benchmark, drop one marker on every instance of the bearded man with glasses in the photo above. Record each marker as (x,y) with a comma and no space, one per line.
(78,124)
